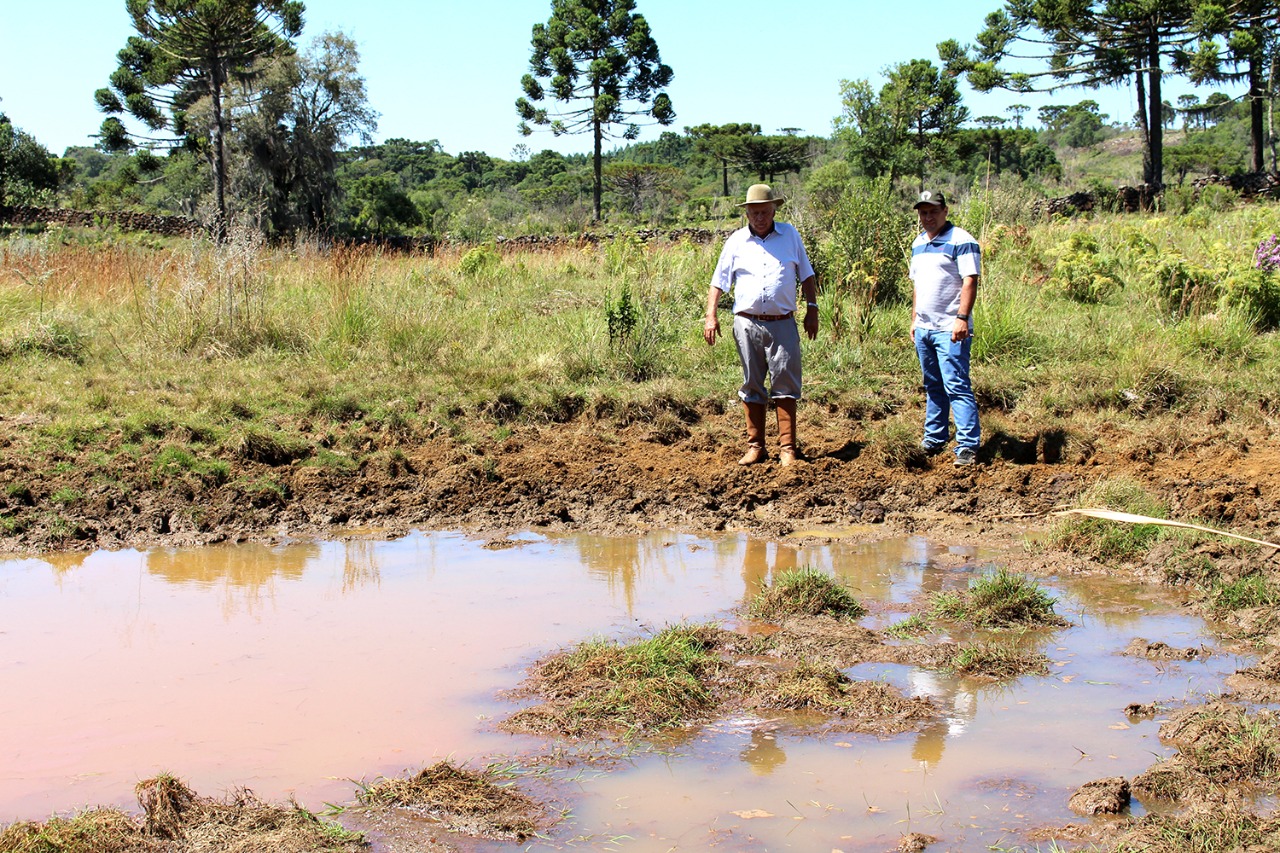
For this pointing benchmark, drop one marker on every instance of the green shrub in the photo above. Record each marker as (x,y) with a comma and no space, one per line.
(862,260)
(1082,273)
(1255,292)
(1182,289)
(479,260)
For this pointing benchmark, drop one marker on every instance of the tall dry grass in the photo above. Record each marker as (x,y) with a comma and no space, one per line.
(208,339)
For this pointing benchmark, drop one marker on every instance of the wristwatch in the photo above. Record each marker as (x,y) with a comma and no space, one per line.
(964,317)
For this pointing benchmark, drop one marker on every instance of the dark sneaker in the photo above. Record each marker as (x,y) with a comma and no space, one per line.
(932,449)
(965,456)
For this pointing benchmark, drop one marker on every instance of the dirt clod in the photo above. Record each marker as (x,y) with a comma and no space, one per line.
(1101,796)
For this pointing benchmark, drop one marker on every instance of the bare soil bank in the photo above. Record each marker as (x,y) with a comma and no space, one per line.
(665,472)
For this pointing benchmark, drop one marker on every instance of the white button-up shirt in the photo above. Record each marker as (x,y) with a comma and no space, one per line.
(763,272)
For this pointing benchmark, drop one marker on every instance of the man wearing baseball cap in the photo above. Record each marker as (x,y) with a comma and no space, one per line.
(763,263)
(945,265)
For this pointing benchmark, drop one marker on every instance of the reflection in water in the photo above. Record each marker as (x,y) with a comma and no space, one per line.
(764,754)
(246,574)
(247,566)
(958,705)
(253,666)
(360,565)
(762,563)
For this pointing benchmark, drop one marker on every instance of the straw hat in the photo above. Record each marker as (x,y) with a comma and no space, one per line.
(761,193)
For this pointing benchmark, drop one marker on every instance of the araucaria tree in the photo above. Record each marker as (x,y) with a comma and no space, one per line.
(1087,43)
(186,51)
(601,63)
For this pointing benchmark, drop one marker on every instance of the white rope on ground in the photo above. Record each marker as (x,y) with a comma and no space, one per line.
(1130,518)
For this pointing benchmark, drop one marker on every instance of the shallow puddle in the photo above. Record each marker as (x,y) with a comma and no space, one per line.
(292,670)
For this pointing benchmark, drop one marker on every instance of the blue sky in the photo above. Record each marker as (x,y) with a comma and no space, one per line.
(451,70)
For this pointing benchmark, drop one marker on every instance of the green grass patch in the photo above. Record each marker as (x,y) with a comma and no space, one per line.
(805,592)
(998,600)
(174,461)
(913,626)
(602,686)
(997,661)
(66,496)
(1242,593)
(1110,541)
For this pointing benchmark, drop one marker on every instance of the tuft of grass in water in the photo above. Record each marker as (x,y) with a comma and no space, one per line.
(475,803)
(805,592)
(997,661)
(913,626)
(1110,541)
(649,685)
(820,686)
(998,600)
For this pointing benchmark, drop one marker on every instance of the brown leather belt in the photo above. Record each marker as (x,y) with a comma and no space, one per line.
(767,317)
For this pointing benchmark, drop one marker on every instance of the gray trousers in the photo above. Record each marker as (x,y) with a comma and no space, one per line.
(768,348)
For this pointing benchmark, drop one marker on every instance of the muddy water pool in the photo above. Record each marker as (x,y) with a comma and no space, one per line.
(295,669)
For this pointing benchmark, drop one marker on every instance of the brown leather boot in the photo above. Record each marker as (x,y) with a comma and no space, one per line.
(786,432)
(755,434)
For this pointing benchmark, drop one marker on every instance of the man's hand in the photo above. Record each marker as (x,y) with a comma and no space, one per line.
(811,322)
(960,330)
(711,330)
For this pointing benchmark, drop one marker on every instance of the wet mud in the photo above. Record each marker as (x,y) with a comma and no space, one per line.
(1214,757)
(645,471)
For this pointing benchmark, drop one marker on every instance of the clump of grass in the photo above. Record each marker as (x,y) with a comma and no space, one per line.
(896,444)
(1167,780)
(53,338)
(66,496)
(912,626)
(998,661)
(998,600)
(1225,742)
(476,803)
(270,447)
(819,686)
(1242,593)
(1201,830)
(805,592)
(1109,540)
(93,831)
(600,686)
(176,819)
(176,461)
(167,804)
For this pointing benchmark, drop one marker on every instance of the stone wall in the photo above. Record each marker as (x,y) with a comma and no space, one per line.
(1145,196)
(124,220)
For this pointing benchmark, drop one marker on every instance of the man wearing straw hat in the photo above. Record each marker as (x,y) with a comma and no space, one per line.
(762,263)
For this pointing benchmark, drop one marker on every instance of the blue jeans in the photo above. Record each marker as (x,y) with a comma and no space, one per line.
(945,365)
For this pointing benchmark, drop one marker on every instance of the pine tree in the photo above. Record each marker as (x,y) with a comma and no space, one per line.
(600,61)
(186,51)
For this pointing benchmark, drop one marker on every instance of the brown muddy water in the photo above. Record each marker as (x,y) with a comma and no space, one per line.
(293,670)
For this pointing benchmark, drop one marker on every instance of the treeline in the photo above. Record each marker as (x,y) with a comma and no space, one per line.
(252,129)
